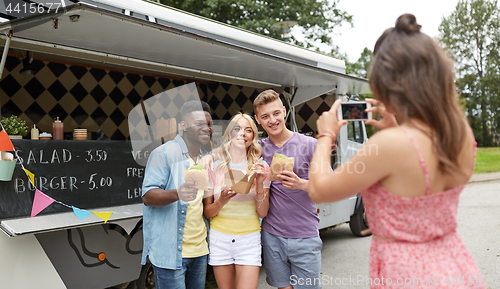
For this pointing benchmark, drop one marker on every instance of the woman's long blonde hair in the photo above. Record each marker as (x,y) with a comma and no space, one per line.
(411,75)
(254,151)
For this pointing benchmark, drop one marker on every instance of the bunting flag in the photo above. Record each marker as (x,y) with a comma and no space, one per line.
(81,214)
(31,176)
(5,142)
(104,216)
(40,202)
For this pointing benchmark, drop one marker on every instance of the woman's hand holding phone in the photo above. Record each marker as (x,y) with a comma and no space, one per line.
(388,119)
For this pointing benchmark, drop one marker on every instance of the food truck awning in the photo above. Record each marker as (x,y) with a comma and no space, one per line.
(158,39)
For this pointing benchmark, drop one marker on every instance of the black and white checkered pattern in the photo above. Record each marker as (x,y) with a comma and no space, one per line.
(93,98)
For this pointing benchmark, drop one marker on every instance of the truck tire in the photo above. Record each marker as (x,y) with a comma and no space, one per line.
(358,222)
(146,278)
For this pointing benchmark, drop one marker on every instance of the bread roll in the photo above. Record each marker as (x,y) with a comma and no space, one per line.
(200,177)
(280,163)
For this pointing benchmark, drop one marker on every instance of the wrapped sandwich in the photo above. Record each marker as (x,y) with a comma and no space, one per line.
(280,163)
(198,175)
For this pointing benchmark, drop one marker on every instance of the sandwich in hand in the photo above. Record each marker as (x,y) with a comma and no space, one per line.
(280,163)
(198,175)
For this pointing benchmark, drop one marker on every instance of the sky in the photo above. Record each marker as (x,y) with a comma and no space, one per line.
(372,17)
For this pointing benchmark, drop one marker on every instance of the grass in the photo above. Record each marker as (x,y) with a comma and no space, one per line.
(488,160)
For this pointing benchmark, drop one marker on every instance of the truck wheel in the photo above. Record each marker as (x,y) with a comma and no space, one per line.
(358,221)
(147,278)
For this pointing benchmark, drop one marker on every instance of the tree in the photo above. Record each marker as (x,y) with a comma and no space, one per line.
(317,18)
(361,67)
(470,35)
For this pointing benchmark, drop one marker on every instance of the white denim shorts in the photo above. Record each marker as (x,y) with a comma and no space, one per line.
(228,249)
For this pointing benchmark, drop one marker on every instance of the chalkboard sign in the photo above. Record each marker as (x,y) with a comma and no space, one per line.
(85,174)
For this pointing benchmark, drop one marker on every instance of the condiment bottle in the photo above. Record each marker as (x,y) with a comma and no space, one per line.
(34,133)
(57,129)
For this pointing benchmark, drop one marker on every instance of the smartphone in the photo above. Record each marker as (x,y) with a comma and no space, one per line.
(354,111)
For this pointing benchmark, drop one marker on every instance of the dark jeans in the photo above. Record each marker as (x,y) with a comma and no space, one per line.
(191,276)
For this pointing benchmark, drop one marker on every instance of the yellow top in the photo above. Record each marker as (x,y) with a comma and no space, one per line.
(194,239)
(239,216)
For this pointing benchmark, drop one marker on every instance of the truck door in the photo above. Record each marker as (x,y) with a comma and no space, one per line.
(352,138)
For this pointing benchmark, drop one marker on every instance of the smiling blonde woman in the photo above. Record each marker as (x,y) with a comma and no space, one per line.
(235,247)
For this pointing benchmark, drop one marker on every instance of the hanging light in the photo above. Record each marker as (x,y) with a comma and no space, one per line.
(28,68)
(285,28)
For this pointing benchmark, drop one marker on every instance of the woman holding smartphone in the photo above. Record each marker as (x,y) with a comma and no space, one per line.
(411,183)
(235,247)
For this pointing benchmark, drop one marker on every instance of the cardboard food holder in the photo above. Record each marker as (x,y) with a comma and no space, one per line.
(238,181)
(200,177)
(280,163)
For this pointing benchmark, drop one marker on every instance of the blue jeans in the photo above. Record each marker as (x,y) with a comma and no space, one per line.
(192,275)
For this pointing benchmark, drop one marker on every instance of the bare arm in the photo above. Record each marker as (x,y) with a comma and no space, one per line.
(372,163)
(262,202)
(211,208)
(262,194)
(158,198)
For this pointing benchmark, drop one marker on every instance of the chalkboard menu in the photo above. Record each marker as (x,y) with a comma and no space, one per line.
(85,174)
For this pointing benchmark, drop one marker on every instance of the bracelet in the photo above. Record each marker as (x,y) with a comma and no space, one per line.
(331,135)
(260,201)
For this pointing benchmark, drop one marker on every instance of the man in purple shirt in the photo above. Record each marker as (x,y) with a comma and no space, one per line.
(290,236)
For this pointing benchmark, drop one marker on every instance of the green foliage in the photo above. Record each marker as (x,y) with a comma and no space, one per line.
(487,161)
(370,129)
(13,125)
(317,18)
(470,36)
(360,68)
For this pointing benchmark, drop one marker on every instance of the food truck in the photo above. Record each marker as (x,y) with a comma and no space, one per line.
(71,215)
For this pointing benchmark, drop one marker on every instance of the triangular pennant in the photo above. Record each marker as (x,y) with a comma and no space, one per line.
(40,202)
(104,216)
(81,214)
(31,176)
(5,142)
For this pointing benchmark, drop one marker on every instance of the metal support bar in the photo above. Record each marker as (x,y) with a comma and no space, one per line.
(291,109)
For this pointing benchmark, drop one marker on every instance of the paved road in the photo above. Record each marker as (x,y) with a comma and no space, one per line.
(345,256)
